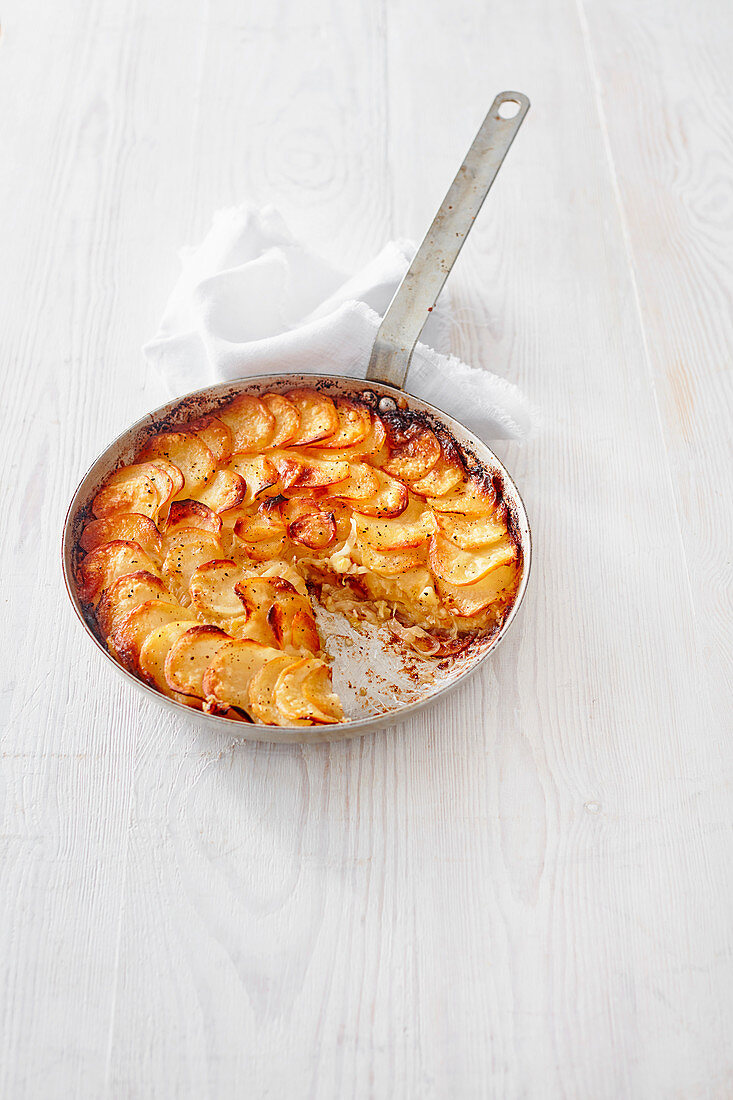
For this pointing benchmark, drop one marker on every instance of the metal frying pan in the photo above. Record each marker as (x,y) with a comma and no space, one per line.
(377,683)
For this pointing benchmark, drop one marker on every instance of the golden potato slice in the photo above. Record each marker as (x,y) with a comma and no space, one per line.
(341,513)
(461,567)
(290,692)
(496,588)
(413,448)
(292,623)
(177,478)
(470,498)
(265,550)
(225,490)
(264,525)
(191,548)
(153,655)
(312,528)
(107,563)
(142,488)
(212,589)
(372,448)
(287,418)
(470,532)
(443,477)
(308,473)
(126,593)
(318,417)
(190,656)
(354,424)
(216,435)
(228,679)
(412,528)
(283,573)
(128,636)
(361,484)
(318,690)
(258,472)
(192,513)
(391,498)
(125,526)
(250,421)
(186,451)
(259,593)
(261,696)
(389,563)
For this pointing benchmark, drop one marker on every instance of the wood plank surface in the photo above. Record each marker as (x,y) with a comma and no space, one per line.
(525,892)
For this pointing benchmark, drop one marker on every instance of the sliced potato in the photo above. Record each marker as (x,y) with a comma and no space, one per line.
(107,563)
(372,448)
(472,599)
(124,594)
(290,692)
(185,557)
(250,421)
(299,470)
(443,477)
(470,532)
(125,526)
(216,435)
(287,418)
(470,498)
(292,623)
(189,453)
(361,484)
(354,424)
(261,702)
(389,563)
(153,655)
(228,679)
(264,525)
(461,567)
(128,636)
(318,417)
(313,528)
(212,589)
(192,513)
(412,528)
(190,656)
(413,448)
(225,490)
(177,478)
(258,472)
(318,690)
(142,488)
(391,498)
(265,550)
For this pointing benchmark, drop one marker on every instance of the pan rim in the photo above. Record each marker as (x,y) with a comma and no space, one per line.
(291,734)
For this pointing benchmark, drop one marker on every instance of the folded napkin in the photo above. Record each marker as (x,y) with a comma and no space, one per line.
(252,300)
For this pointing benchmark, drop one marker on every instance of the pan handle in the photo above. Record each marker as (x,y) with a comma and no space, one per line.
(418,292)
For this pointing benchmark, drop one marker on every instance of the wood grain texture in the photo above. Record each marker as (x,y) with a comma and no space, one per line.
(527,891)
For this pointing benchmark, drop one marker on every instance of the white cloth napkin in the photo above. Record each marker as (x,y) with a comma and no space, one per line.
(252,300)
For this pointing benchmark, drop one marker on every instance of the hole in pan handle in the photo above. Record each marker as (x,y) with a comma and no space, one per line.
(418,292)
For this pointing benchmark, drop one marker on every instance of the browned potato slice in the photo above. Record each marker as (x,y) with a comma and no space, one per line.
(290,692)
(228,679)
(318,690)
(212,589)
(308,473)
(413,527)
(413,448)
(372,448)
(191,548)
(258,472)
(225,490)
(141,488)
(186,451)
(311,526)
(261,704)
(472,599)
(318,418)
(216,435)
(128,637)
(190,656)
(341,513)
(107,563)
(153,655)
(470,532)
(259,593)
(354,424)
(127,526)
(250,421)
(287,418)
(391,498)
(389,563)
(461,567)
(470,498)
(265,525)
(124,594)
(192,513)
(292,623)
(361,484)
(443,477)
(177,478)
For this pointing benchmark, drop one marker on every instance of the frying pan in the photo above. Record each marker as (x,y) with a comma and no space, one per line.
(378,684)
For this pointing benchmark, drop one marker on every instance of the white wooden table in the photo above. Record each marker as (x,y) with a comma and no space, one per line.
(527,891)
